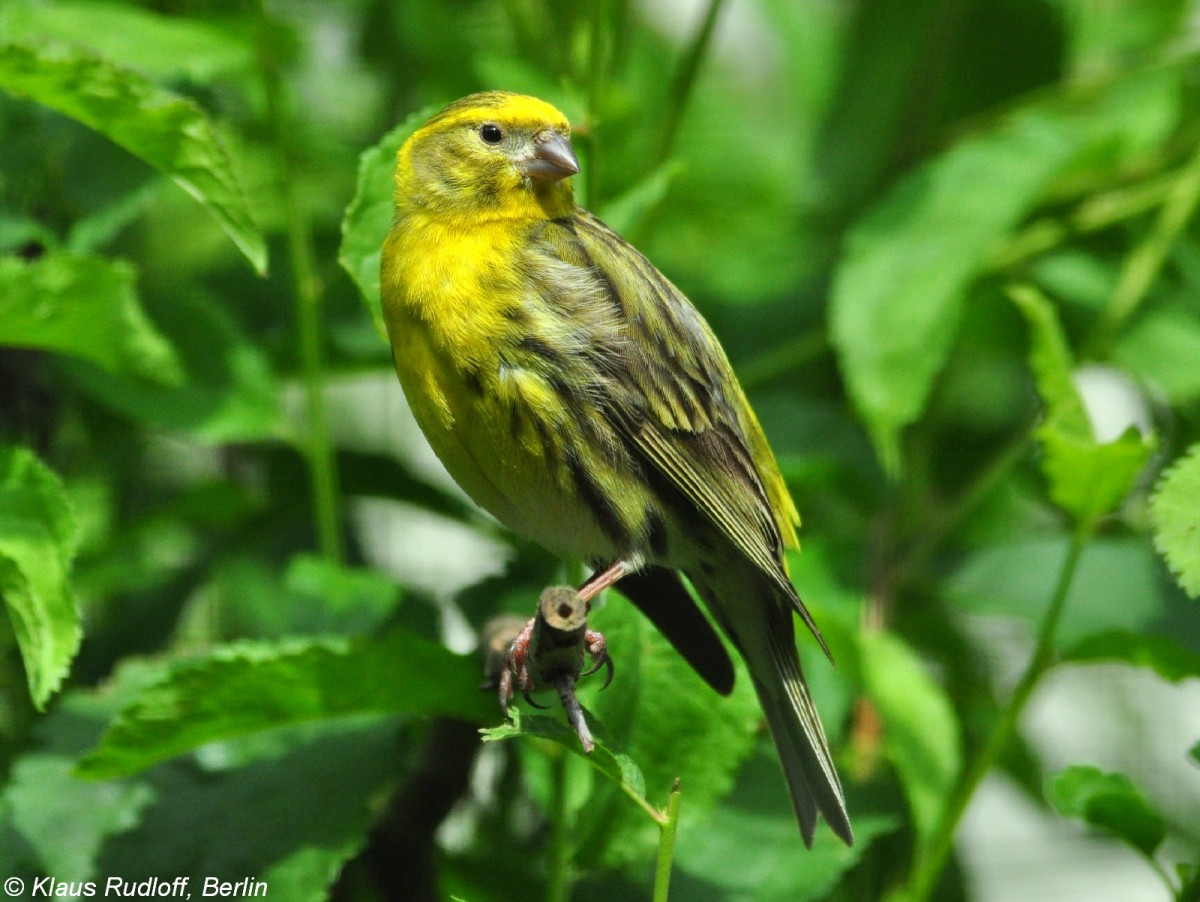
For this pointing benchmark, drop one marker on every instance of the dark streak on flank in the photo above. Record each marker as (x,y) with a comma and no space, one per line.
(472,378)
(516,314)
(549,452)
(535,345)
(568,395)
(656,530)
(602,507)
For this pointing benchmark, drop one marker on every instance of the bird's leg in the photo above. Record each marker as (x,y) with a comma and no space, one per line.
(515,665)
(594,641)
(600,581)
(566,694)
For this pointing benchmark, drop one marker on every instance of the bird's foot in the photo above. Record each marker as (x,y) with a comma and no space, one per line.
(548,652)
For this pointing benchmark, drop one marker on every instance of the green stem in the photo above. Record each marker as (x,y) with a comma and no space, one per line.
(597,59)
(667,829)
(976,492)
(1190,891)
(559,887)
(302,263)
(1098,212)
(1144,263)
(1163,876)
(685,81)
(930,864)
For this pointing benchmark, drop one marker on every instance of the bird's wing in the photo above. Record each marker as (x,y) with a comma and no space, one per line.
(672,393)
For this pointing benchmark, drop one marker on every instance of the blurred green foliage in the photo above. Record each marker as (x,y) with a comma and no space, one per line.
(238,594)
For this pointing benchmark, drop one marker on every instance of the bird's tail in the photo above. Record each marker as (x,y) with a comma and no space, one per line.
(763,631)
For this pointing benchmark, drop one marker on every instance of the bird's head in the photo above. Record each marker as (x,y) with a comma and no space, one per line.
(488,156)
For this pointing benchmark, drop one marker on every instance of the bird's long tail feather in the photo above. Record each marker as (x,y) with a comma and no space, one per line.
(763,632)
(800,740)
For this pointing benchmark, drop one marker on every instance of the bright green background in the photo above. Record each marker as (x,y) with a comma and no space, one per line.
(239,593)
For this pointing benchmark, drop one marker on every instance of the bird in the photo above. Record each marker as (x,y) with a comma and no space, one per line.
(577,395)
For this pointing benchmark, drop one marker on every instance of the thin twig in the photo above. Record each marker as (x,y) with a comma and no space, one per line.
(668,826)
(685,80)
(932,861)
(302,262)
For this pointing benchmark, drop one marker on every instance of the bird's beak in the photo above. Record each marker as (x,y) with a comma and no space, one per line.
(553,158)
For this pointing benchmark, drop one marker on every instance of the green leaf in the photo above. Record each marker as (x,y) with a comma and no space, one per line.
(328,597)
(1051,361)
(1076,277)
(68,820)
(920,731)
(369,215)
(91,233)
(1174,510)
(742,854)
(63,820)
(618,767)
(1117,585)
(896,296)
(168,131)
(157,44)
(175,818)
(1121,30)
(249,687)
(1170,660)
(312,597)
(38,539)
(229,393)
(314,801)
(898,292)
(1109,802)
(86,307)
(1087,479)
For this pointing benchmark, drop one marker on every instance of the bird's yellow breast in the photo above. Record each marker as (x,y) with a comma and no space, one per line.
(495,425)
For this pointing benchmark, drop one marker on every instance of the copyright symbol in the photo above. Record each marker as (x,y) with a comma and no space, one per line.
(14,886)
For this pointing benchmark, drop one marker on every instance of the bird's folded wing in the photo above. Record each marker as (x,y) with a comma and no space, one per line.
(673,395)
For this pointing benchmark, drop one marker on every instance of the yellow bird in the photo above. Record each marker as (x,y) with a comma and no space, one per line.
(578,396)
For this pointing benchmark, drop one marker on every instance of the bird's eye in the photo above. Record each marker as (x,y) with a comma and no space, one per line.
(490,132)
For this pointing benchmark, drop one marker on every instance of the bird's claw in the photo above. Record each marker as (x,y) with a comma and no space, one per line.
(597,647)
(529,698)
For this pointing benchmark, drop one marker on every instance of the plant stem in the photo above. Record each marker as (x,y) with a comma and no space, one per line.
(1190,891)
(597,66)
(980,487)
(667,829)
(322,463)
(1163,875)
(1144,263)
(931,862)
(685,81)
(1097,212)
